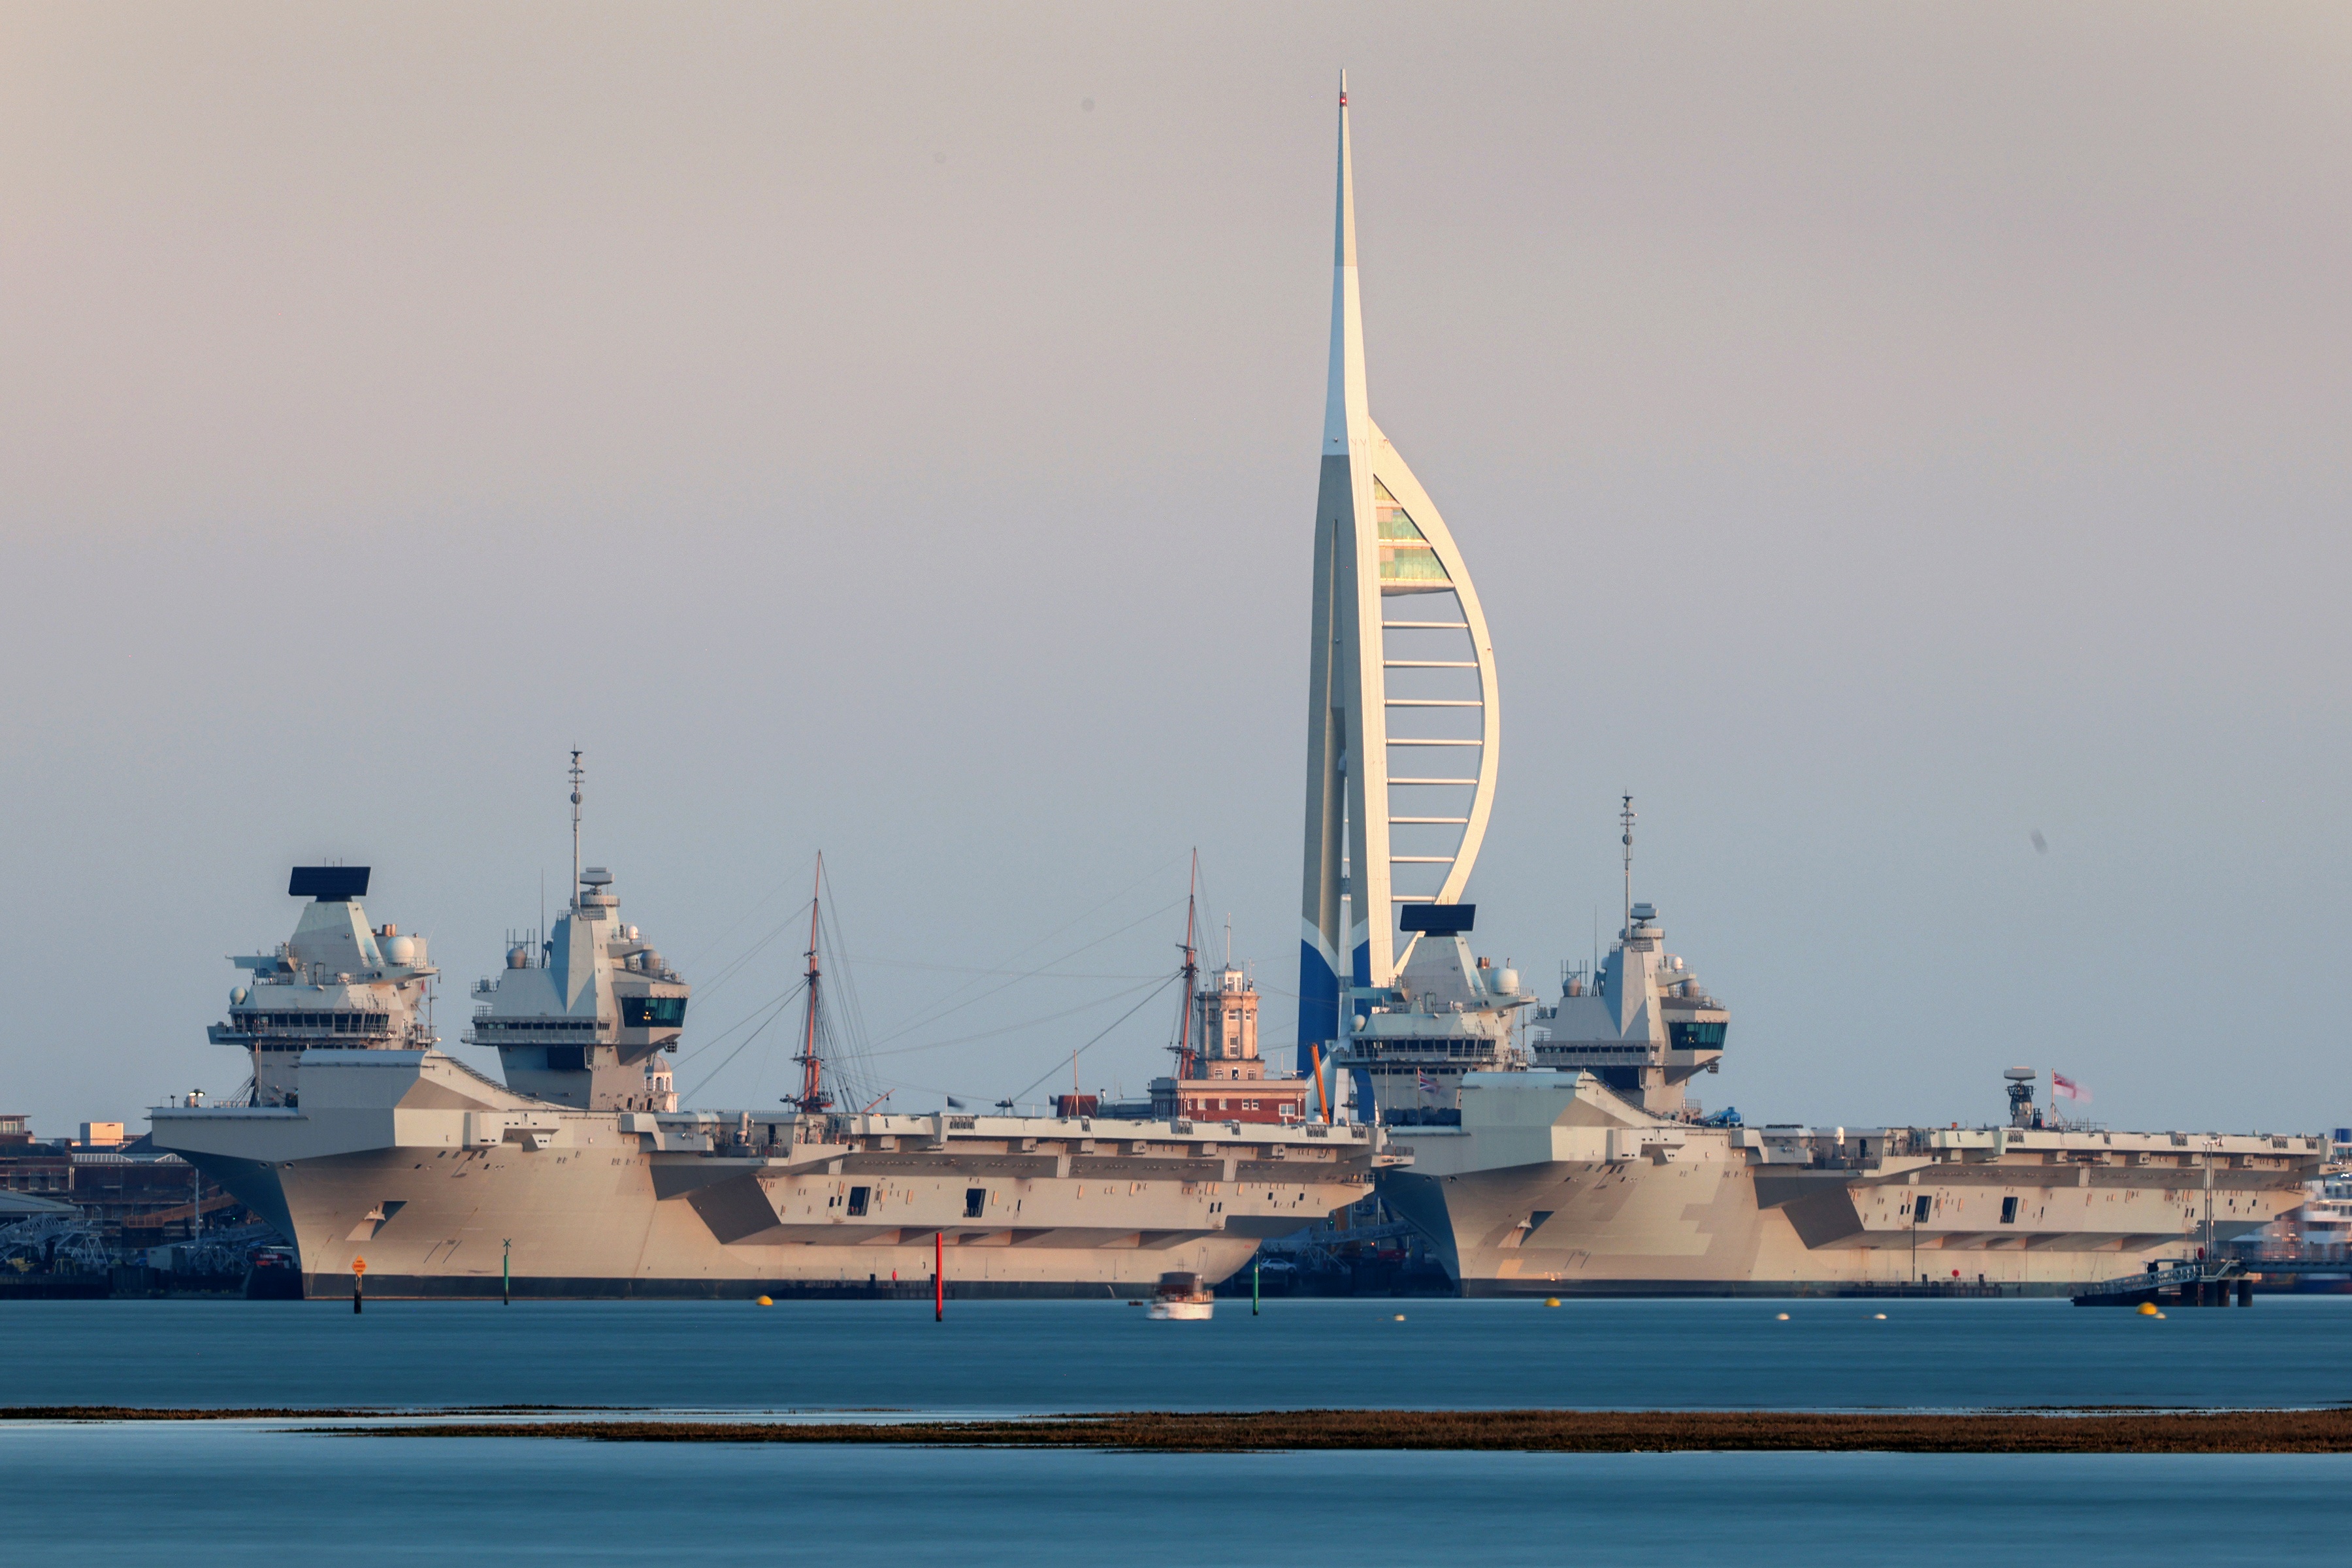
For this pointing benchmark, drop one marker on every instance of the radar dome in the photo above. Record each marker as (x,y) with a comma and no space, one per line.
(237,996)
(518,957)
(401,950)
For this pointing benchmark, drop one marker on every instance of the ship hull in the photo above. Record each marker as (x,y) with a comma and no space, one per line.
(438,1182)
(1554,1187)
(598,1228)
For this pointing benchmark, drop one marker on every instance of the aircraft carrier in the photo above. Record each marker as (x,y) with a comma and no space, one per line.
(1554,1153)
(369,1148)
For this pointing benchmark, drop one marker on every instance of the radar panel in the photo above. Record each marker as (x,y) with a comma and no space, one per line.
(329,884)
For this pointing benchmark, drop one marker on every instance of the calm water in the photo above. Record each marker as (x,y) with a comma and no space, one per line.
(149,1496)
(222,1492)
(1000,1356)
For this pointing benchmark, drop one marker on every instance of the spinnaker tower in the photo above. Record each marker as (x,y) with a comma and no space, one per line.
(1402,724)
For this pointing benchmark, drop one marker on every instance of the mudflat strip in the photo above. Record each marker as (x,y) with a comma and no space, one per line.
(1542,1431)
(2321,1431)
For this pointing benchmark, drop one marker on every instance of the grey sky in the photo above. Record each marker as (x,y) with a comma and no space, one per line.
(1878,434)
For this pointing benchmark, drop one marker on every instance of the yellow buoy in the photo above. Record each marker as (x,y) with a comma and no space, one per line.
(764,1301)
(1400,1317)
(2147,1309)
(1782,1317)
(1880,1317)
(1552,1301)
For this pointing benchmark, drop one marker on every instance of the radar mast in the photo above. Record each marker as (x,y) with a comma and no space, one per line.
(1626,817)
(577,775)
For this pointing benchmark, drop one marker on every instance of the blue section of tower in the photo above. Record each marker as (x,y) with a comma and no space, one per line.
(1319,1006)
(1363,1096)
(1319,999)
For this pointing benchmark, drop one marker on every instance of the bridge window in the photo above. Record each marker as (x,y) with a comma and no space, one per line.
(1699,1036)
(652,1012)
(975,1201)
(2009,1211)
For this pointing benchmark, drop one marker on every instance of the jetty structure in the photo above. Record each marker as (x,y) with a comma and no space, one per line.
(1555,1149)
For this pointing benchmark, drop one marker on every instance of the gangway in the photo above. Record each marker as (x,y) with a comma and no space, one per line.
(2189,1283)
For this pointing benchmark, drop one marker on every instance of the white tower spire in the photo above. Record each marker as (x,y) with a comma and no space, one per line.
(1399,785)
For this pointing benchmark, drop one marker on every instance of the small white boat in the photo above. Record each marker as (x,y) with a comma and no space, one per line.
(1181,1296)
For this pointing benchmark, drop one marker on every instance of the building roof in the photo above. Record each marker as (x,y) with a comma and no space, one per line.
(29,1205)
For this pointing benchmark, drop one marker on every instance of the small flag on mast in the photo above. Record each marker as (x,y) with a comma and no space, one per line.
(2064,1088)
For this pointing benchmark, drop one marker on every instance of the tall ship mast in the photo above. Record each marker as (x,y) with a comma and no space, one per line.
(812,1100)
(1188,1000)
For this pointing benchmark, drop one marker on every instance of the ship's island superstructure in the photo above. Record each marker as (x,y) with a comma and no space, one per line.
(585,1019)
(337,982)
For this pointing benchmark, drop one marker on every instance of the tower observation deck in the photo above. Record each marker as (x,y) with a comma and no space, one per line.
(1402,726)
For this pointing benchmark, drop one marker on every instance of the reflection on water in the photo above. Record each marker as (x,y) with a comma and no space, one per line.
(203,1493)
(1014,1356)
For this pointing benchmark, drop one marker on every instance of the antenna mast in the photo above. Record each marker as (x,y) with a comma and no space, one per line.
(812,1097)
(576,777)
(1626,816)
(1192,977)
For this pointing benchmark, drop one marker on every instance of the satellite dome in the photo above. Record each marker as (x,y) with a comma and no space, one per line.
(518,957)
(401,950)
(237,996)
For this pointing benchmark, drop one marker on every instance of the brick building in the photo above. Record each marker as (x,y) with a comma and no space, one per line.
(1228,1081)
